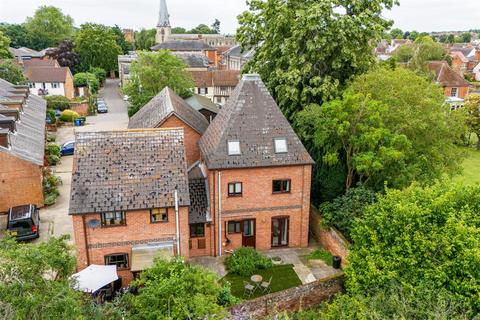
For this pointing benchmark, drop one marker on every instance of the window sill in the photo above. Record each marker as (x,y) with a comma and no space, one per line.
(235,195)
(159,222)
(114,226)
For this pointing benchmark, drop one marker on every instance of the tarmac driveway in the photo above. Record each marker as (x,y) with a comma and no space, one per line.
(55,220)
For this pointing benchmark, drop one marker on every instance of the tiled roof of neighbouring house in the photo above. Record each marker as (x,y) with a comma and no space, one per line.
(445,75)
(51,63)
(216,78)
(199,209)
(236,51)
(164,105)
(28,143)
(46,74)
(128,170)
(193,60)
(251,117)
(184,45)
(26,52)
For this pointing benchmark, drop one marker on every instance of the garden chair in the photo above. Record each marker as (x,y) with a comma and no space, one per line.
(266,286)
(249,289)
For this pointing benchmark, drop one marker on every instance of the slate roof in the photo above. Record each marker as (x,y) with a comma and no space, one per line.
(252,117)
(184,45)
(28,143)
(193,60)
(445,75)
(26,52)
(164,105)
(236,51)
(199,102)
(46,74)
(128,170)
(199,210)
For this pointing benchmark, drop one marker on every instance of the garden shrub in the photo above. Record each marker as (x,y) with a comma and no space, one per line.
(52,152)
(99,73)
(57,102)
(50,187)
(86,79)
(245,261)
(51,115)
(68,115)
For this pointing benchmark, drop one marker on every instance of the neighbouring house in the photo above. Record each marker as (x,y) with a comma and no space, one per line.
(168,110)
(129,198)
(217,85)
(136,194)
(46,77)
(22,144)
(129,35)
(234,58)
(23,54)
(465,59)
(459,62)
(190,46)
(203,105)
(455,87)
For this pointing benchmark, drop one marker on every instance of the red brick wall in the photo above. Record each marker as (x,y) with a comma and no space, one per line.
(462,92)
(69,88)
(138,228)
(195,251)
(20,182)
(257,196)
(191,138)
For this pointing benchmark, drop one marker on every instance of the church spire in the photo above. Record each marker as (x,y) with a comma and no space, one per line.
(163,16)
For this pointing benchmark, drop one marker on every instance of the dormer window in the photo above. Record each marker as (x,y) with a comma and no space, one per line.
(234,148)
(280,145)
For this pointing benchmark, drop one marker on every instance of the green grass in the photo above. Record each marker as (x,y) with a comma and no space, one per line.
(471,167)
(321,254)
(283,277)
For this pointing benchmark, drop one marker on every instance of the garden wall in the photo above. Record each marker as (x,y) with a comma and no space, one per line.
(80,107)
(330,238)
(290,300)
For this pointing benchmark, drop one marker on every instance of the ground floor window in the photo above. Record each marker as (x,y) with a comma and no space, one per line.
(234,227)
(280,228)
(197,230)
(119,259)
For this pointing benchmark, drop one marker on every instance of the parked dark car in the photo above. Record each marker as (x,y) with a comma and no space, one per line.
(24,222)
(68,148)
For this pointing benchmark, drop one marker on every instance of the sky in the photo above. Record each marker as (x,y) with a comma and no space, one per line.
(420,15)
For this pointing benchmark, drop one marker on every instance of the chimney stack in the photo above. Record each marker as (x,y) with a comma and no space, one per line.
(4,138)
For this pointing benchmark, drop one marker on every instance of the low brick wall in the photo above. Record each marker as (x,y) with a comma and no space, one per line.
(330,238)
(290,300)
(80,108)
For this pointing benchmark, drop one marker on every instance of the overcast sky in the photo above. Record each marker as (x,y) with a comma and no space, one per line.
(420,15)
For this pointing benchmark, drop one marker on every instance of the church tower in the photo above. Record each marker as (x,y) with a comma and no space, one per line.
(163,26)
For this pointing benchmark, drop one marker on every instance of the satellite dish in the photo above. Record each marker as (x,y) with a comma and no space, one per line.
(95,223)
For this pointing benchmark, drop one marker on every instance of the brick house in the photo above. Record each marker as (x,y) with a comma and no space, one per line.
(46,77)
(217,85)
(455,87)
(243,180)
(22,143)
(168,110)
(192,47)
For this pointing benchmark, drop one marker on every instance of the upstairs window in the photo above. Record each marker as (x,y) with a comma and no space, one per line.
(454,92)
(280,145)
(234,148)
(281,186)
(235,189)
(120,260)
(112,219)
(158,215)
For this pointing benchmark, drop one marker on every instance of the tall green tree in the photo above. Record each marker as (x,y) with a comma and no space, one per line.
(11,72)
(466,37)
(120,38)
(472,110)
(97,46)
(35,281)
(152,72)
(216,26)
(4,46)
(48,27)
(202,29)
(145,39)
(17,33)
(420,236)
(352,130)
(396,33)
(308,50)
(404,53)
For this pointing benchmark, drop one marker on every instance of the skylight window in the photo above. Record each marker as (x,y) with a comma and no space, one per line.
(234,148)
(280,145)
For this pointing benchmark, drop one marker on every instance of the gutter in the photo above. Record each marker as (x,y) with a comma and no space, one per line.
(177,226)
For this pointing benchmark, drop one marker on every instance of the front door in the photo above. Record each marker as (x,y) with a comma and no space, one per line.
(280,232)
(248,233)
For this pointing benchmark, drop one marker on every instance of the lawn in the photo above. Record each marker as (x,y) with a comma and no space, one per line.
(283,277)
(471,167)
(320,254)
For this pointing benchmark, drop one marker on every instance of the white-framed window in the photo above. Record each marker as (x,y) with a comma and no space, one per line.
(454,92)
(233,148)
(202,91)
(31,85)
(55,85)
(280,145)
